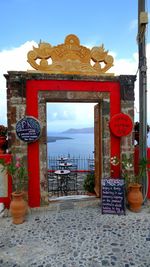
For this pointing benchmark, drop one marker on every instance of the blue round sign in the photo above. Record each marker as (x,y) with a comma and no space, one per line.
(28,129)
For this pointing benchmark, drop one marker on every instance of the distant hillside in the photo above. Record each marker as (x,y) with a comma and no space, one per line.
(82,130)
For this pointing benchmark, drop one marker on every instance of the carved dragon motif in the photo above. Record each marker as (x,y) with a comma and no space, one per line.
(70,58)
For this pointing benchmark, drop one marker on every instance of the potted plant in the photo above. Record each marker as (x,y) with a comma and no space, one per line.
(3,141)
(133,181)
(16,169)
(88,183)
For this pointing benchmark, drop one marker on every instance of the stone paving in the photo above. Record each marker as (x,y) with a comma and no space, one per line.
(76,235)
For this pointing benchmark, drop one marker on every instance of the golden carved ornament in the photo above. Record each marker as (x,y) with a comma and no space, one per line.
(70,58)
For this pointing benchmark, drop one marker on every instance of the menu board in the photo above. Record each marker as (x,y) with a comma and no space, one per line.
(113,196)
(28,129)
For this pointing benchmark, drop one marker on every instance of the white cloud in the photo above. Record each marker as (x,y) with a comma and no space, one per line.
(57,112)
(16,59)
(125,66)
(62,116)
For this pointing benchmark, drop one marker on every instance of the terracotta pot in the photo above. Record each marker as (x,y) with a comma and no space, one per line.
(135,197)
(2,144)
(18,208)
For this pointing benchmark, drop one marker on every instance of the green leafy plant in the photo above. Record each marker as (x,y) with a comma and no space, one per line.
(18,172)
(3,130)
(127,168)
(88,183)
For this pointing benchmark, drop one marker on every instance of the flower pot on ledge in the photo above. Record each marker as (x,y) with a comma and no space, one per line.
(18,172)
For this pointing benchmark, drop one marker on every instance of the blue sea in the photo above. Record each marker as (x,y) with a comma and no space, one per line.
(80,145)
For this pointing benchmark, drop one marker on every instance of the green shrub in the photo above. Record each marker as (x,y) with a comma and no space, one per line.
(88,183)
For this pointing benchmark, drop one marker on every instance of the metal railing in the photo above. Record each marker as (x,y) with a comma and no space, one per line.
(83,163)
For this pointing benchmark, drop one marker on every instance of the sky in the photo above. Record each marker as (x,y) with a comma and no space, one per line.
(25,23)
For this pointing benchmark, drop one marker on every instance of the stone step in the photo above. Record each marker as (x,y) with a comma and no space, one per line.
(69,202)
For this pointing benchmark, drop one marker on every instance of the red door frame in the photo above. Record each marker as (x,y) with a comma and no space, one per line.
(32,89)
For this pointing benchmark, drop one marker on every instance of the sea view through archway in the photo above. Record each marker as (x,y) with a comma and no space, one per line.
(70,131)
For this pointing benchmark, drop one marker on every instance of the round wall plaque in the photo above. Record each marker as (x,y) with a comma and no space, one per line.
(28,129)
(121,124)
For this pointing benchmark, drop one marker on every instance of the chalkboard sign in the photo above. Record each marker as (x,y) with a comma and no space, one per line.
(113,196)
(28,129)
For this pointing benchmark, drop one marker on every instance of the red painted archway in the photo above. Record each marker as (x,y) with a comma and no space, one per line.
(32,89)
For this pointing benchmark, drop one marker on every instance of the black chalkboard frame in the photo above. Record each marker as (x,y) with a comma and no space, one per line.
(112,184)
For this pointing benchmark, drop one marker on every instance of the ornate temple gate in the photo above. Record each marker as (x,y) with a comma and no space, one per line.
(69,78)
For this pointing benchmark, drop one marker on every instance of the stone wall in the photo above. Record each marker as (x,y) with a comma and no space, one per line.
(127,107)
(16,108)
